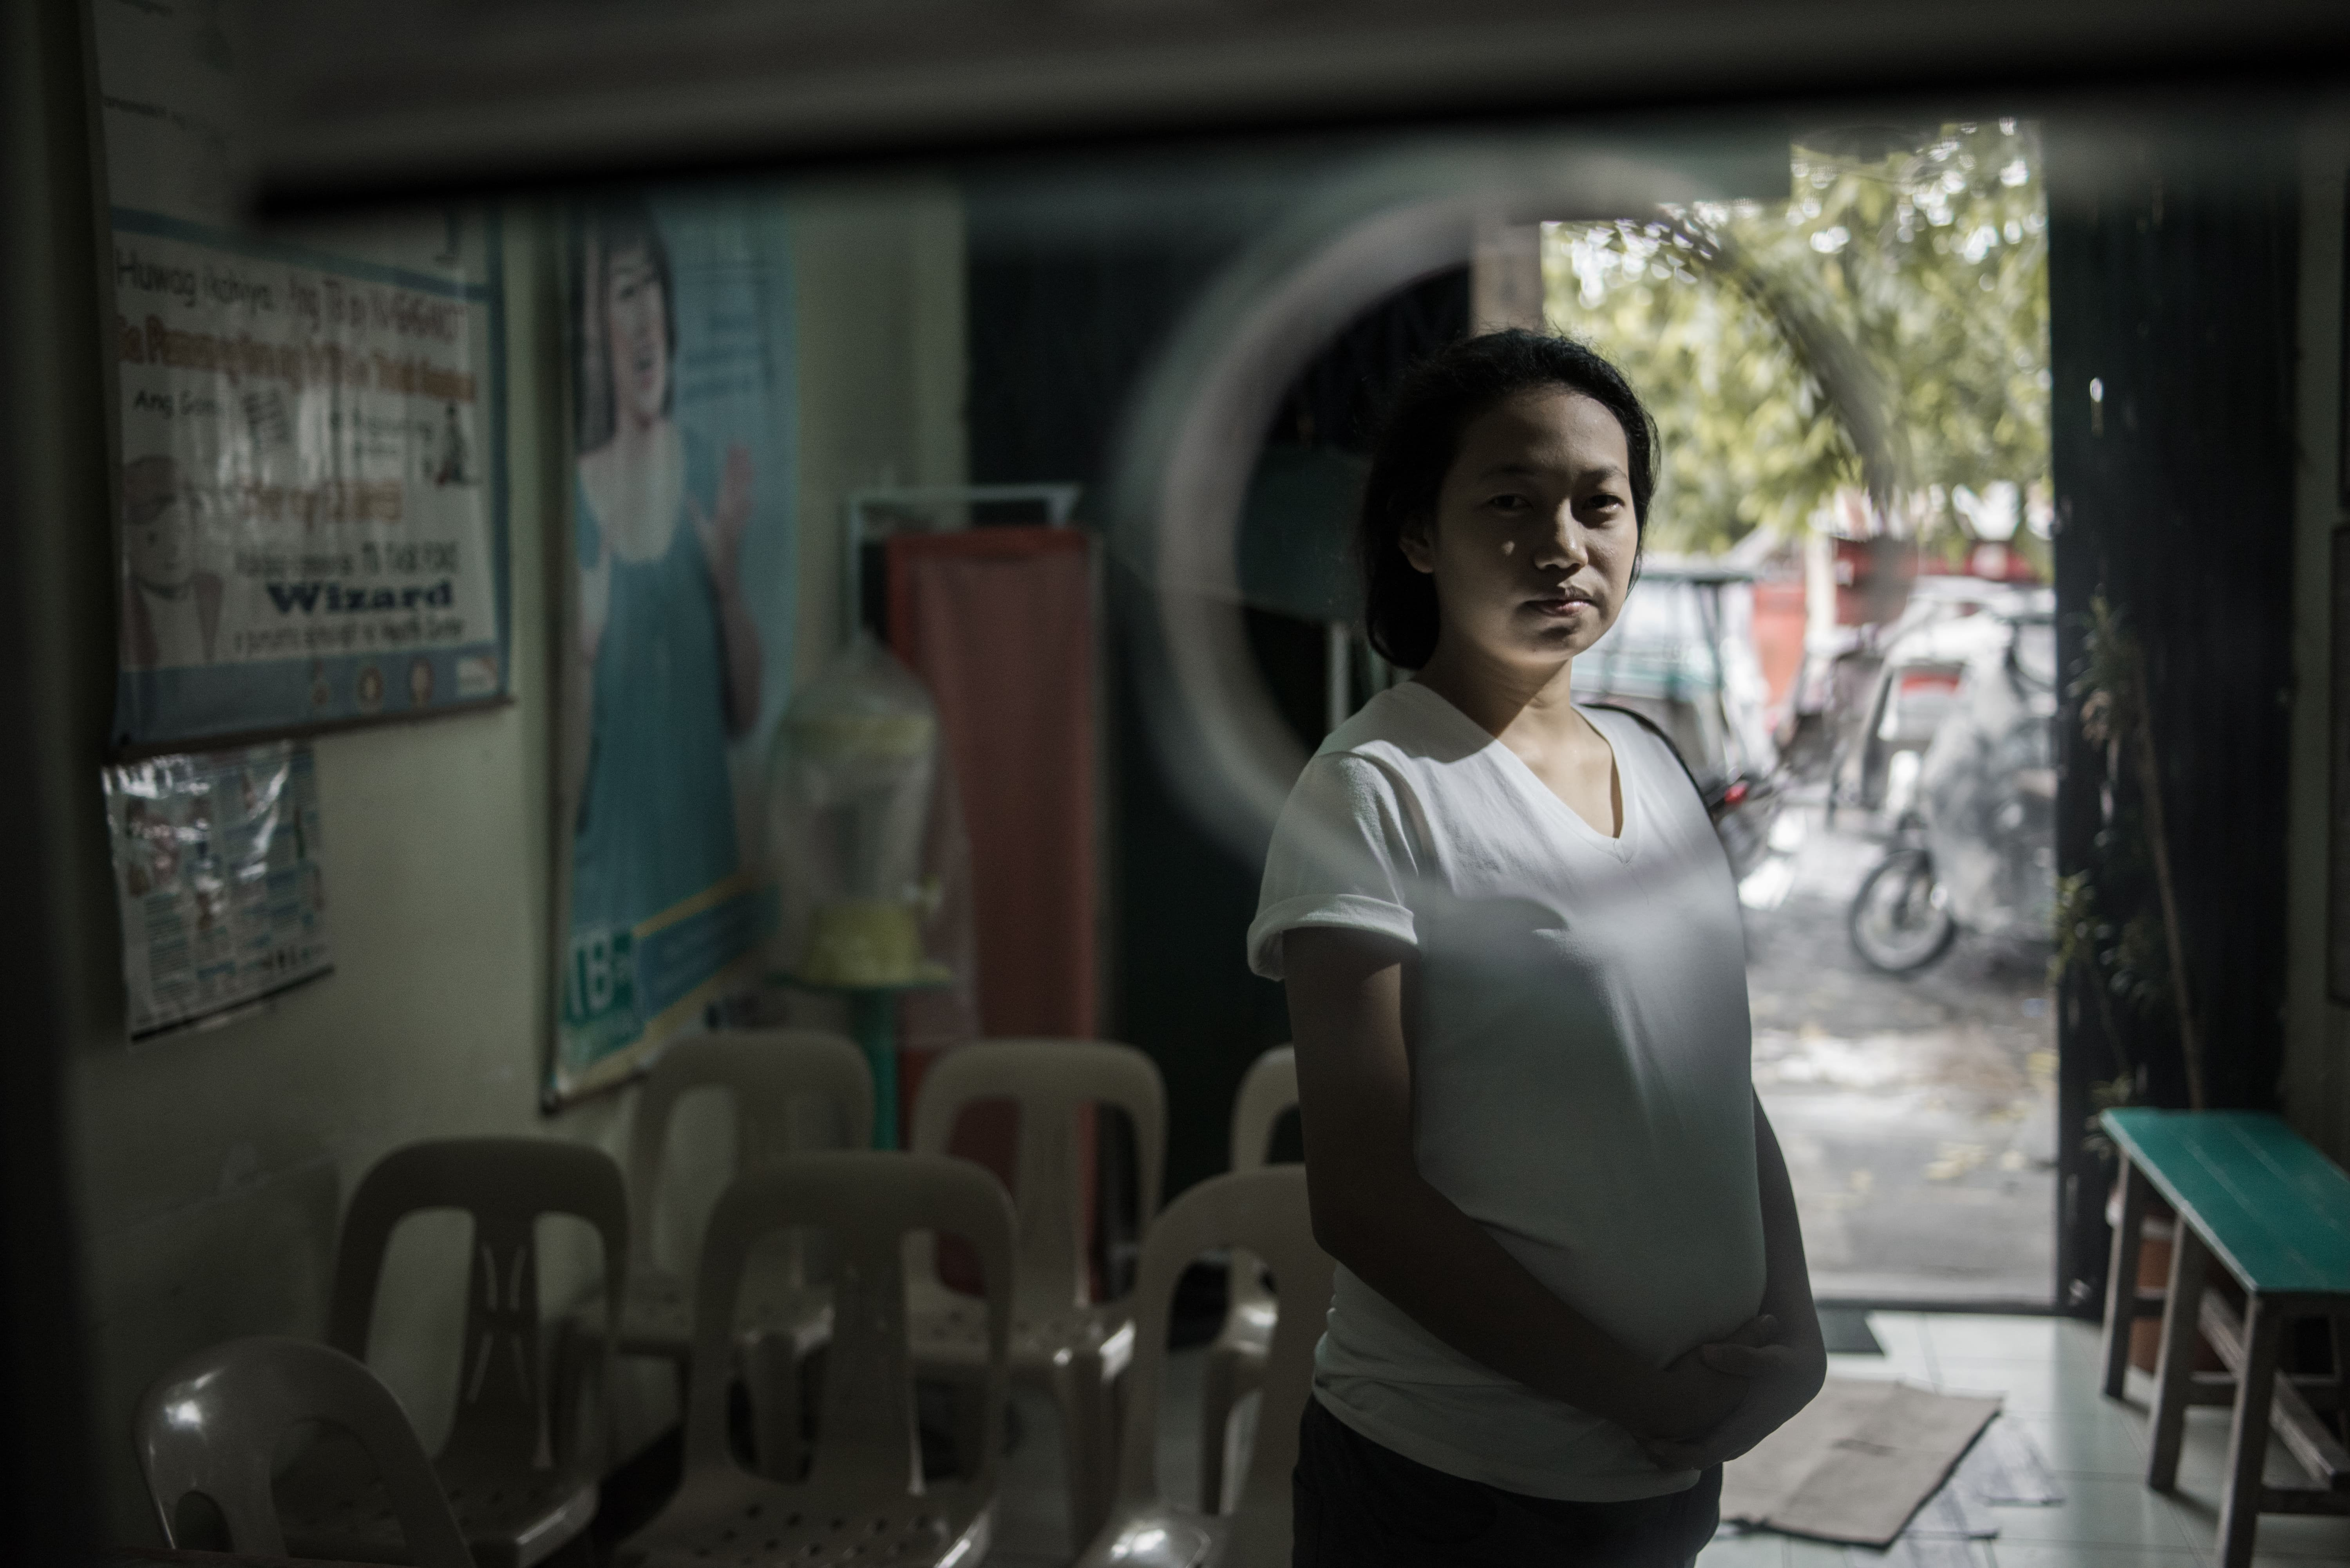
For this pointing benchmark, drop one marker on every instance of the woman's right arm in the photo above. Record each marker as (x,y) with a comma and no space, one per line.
(1373,1213)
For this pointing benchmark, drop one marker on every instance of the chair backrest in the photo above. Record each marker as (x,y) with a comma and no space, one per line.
(1049,1080)
(212,1423)
(1264,1211)
(1268,1090)
(766,1070)
(867,1202)
(506,1184)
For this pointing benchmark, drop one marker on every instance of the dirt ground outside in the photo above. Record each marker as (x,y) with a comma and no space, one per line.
(1917,1112)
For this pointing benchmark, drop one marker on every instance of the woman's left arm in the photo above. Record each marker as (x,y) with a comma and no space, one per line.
(1784,1373)
(721,531)
(1787,1278)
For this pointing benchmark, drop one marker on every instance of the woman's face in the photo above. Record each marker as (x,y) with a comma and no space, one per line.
(637,331)
(1534,535)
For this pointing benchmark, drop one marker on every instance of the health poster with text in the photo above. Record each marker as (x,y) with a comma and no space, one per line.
(310,502)
(217,879)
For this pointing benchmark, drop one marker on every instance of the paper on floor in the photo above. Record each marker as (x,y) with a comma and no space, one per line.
(1856,1463)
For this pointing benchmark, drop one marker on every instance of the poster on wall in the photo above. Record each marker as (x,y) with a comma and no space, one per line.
(217,879)
(678,619)
(309,430)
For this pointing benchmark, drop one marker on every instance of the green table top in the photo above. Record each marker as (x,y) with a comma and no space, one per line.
(2270,1206)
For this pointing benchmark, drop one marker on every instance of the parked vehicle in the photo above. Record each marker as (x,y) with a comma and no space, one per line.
(1950,624)
(1681,655)
(1870,691)
(1974,844)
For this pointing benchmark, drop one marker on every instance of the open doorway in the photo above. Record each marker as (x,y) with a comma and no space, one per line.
(1846,618)
(1849,620)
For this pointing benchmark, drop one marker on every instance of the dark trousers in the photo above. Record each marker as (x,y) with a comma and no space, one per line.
(1361,1505)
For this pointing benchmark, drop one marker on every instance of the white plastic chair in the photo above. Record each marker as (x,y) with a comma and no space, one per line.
(1264,1211)
(1064,1342)
(212,1423)
(1235,1362)
(765,1072)
(517,1496)
(865,1501)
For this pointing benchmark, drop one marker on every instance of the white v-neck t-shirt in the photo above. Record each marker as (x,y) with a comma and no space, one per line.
(1580,1067)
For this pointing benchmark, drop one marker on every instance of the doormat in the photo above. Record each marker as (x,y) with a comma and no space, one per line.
(2003,1470)
(1845,1332)
(1855,1462)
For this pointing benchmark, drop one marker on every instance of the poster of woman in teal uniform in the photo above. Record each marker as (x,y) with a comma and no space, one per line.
(680,630)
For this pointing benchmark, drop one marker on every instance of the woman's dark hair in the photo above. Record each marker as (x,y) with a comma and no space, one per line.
(1420,437)
(606,230)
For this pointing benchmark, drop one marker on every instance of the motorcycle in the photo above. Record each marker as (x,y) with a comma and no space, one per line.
(1973,847)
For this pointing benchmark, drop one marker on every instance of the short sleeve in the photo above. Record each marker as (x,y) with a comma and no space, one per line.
(1342,854)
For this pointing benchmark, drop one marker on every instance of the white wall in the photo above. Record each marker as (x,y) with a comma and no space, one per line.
(213,1166)
(210,1168)
(880,271)
(2317,1030)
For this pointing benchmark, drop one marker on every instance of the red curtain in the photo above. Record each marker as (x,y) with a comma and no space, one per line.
(998,623)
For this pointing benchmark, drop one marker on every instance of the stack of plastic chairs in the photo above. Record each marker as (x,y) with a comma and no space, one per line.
(865,1501)
(768,1076)
(209,1427)
(1265,1213)
(1063,1342)
(1235,1365)
(517,1493)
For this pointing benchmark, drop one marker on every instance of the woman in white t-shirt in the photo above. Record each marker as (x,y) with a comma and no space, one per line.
(1571,1282)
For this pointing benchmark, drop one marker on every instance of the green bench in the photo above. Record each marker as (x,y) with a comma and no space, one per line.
(2254,1197)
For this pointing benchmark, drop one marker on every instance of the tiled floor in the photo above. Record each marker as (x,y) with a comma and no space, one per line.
(2046,1368)
(2047,1371)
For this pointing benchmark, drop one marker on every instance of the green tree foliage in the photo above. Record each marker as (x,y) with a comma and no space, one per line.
(1886,327)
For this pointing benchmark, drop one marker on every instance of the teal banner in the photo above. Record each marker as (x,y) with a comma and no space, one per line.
(678,616)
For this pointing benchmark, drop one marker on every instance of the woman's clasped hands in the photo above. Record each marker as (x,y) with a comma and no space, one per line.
(1718,1400)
